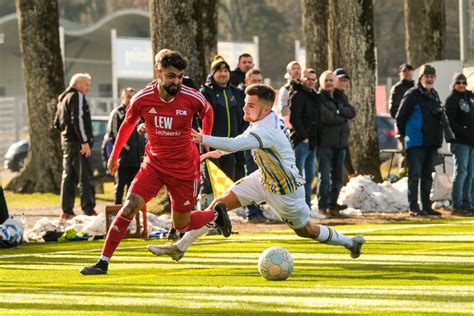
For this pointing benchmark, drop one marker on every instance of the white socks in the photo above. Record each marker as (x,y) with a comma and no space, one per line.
(105,258)
(190,237)
(329,236)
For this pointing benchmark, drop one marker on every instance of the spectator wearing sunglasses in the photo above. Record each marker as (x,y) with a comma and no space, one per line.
(460,111)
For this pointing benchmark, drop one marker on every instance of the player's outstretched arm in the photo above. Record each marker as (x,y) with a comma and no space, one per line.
(230,145)
(215,154)
(196,136)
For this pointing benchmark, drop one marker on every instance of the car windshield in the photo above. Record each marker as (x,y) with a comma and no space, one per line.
(99,127)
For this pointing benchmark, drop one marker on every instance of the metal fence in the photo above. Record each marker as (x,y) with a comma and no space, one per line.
(14,118)
(13,122)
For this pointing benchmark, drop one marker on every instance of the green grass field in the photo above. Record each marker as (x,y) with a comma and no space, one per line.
(424,268)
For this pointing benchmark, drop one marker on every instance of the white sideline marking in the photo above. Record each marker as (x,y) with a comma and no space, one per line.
(291,236)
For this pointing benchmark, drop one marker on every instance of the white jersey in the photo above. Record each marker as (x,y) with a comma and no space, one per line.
(271,150)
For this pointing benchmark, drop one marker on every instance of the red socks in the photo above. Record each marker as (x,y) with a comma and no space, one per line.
(198,220)
(119,227)
(117,230)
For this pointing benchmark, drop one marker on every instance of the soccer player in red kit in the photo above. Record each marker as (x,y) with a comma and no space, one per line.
(171,157)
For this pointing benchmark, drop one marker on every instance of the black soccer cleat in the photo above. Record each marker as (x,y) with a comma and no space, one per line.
(100,267)
(223,221)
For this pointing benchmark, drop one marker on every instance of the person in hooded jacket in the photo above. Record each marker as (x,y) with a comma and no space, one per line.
(460,112)
(304,118)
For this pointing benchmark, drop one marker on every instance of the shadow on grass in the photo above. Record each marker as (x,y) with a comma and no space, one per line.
(196,293)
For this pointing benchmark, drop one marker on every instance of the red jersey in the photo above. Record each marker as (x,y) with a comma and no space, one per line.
(170,148)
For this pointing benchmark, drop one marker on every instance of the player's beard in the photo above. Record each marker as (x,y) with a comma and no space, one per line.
(247,118)
(171,89)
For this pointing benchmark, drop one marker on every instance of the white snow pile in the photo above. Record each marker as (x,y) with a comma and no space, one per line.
(361,194)
(93,225)
(238,215)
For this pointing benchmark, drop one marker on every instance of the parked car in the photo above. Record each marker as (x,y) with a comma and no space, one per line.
(387,134)
(15,157)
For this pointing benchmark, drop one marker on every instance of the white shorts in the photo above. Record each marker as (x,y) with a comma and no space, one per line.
(291,208)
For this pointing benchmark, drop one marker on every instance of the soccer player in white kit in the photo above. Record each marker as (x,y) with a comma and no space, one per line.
(276,181)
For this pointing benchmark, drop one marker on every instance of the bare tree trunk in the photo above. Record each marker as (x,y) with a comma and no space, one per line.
(207,36)
(354,50)
(38,23)
(189,26)
(315,26)
(425,30)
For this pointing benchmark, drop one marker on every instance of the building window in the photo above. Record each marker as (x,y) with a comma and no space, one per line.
(105,90)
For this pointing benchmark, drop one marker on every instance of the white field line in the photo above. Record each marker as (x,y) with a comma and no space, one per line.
(292,300)
(444,237)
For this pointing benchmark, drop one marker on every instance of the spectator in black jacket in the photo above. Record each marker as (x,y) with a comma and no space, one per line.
(227,101)
(133,150)
(304,118)
(73,119)
(418,123)
(460,111)
(237,77)
(341,81)
(253,76)
(333,141)
(398,90)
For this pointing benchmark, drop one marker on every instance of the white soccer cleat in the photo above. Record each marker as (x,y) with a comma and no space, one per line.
(168,249)
(356,248)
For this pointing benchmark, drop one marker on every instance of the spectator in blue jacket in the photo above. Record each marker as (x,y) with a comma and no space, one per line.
(419,125)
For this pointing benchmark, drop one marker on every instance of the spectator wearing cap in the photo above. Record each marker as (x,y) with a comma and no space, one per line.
(419,126)
(293,72)
(398,90)
(237,76)
(227,102)
(460,111)
(341,81)
(332,143)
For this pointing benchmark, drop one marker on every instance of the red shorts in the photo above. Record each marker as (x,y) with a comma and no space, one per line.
(149,181)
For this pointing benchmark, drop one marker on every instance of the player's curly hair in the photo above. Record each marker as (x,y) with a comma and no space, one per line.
(262,91)
(167,57)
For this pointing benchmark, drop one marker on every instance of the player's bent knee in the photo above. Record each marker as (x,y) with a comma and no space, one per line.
(229,198)
(301,232)
(132,205)
(181,221)
(182,228)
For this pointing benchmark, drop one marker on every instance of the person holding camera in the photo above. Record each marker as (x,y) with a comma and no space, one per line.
(460,111)
(419,122)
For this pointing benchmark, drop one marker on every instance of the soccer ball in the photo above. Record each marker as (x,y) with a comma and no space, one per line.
(11,233)
(275,264)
